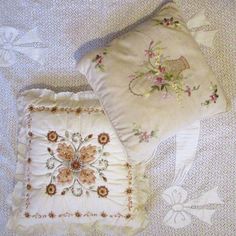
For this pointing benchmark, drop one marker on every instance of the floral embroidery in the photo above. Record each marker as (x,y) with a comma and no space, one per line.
(98,60)
(77,164)
(51,189)
(103,138)
(168,22)
(11,45)
(89,110)
(52,136)
(103,214)
(77,214)
(51,215)
(160,75)
(144,136)
(56,164)
(213,97)
(102,191)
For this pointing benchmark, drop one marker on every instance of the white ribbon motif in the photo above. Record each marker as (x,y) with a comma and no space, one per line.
(181,210)
(29,45)
(203,37)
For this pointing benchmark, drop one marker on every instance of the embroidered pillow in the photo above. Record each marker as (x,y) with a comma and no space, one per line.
(72,171)
(152,82)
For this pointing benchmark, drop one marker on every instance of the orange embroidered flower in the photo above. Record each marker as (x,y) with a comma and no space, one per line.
(78,110)
(86,176)
(52,136)
(103,138)
(129,190)
(65,152)
(27,215)
(31,108)
(103,214)
(51,189)
(87,153)
(77,214)
(28,186)
(53,109)
(75,165)
(102,191)
(65,175)
(51,215)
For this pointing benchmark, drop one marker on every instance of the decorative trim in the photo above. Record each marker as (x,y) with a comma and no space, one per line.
(52,215)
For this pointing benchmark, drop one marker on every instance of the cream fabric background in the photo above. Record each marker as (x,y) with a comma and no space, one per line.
(63,28)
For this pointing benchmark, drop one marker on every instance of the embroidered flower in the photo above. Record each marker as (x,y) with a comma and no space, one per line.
(103,214)
(78,164)
(160,75)
(51,214)
(144,136)
(78,110)
(129,190)
(52,136)
(98,60)
(168,22)
(51,189)
(27,215)
(103,138)
(65,152)
(189,90)
(87,153)
(77,214)
(75,165)
(65,175)
(213,97)
(86,176)
(29,187)
(31,108)
(102,191)
(54,109)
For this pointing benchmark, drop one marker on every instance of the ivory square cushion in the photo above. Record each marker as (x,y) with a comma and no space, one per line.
(153,81)
(72,171)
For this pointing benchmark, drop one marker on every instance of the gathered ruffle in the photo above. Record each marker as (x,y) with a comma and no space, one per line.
(22,226)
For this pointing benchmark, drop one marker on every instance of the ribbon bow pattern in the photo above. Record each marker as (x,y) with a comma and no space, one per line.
(11,43)
(176,196)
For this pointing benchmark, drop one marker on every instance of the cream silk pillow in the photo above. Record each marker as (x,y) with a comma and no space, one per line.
(72,171)
(153,81)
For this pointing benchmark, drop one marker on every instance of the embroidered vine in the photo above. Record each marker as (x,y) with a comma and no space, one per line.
(98,60)
(144,136)
(168,22)
(76,164)
(213,97)
(160,75)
